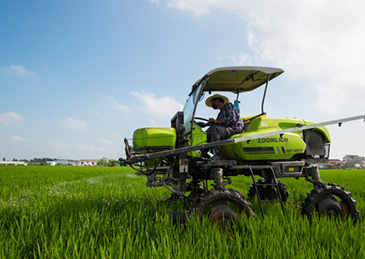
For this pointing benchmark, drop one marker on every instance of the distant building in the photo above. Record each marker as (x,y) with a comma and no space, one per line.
(74,162)
(60,162)
(52,163)
(81,162)
(349,161)
(335,163)
(84,162)
(12,163)
(354,161)
(89,162)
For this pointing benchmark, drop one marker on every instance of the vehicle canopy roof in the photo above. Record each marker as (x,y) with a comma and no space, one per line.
(238,79)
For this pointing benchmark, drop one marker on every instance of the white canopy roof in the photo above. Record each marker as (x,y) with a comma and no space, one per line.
(239,79)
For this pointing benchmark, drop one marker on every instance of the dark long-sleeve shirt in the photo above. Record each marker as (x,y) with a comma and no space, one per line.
(230,114)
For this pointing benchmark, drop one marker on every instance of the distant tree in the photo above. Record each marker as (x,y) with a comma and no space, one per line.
(4,159)
(44,159)
(113,162)
(24,160)
(102,162)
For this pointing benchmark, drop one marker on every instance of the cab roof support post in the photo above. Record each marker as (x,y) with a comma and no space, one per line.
(263,99)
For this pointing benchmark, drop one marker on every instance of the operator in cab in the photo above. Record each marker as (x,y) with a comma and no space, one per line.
(228,121)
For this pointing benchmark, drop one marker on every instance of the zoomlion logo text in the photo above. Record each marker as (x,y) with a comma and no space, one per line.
(269,140)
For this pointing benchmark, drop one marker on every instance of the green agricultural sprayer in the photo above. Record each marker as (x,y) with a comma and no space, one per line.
(271,148)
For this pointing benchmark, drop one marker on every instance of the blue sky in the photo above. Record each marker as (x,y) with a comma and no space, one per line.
(76,77)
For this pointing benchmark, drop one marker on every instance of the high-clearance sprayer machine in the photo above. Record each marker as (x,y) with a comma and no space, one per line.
(271,148)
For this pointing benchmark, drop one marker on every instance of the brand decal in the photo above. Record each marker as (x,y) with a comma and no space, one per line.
(299,150)
(270,140)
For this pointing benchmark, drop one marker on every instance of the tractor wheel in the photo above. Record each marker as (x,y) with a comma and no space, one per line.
(329,200)
(268,192)
(223,207)
(252,191)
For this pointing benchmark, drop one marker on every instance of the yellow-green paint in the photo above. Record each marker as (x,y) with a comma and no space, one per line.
(276,147)
(154,137)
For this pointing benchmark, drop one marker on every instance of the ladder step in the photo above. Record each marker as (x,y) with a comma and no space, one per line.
(267,184)
(276,186)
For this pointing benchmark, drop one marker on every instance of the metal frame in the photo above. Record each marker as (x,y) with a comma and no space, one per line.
(143,157)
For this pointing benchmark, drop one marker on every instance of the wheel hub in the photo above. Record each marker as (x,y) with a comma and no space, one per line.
(222,213)
(331,208)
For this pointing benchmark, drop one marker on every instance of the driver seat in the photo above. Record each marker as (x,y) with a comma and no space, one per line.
(247,120)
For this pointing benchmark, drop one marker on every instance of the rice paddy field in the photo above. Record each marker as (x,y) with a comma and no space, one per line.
(96,212)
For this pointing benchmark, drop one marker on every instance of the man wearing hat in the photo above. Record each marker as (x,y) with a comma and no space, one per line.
(228,121)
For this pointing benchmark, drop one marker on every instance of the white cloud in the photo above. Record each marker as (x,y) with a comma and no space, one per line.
(71,148)
(240,59)
(9,118)
(74,124)
(165,106)
(153,122)
(121,107)
(17,139)
(116,135)
(106,141)
(201,7)
(320,42)
(116,105)
(60,145)
(85,147)
(17,71)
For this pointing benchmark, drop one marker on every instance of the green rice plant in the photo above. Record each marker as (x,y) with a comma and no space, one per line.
(95,212)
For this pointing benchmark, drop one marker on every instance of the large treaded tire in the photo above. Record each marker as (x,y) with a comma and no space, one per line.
(329,200)
(234,203)
(268,192)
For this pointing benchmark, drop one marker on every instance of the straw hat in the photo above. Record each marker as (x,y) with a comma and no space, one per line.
(208,102)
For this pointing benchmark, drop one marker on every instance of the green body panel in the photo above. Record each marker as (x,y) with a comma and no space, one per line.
(277,147)
(270,148)
(198,137)
(154,137)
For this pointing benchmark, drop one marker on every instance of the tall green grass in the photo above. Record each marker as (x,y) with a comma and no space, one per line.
(91,212)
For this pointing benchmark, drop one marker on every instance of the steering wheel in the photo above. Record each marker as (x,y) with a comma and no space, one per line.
(201,123)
